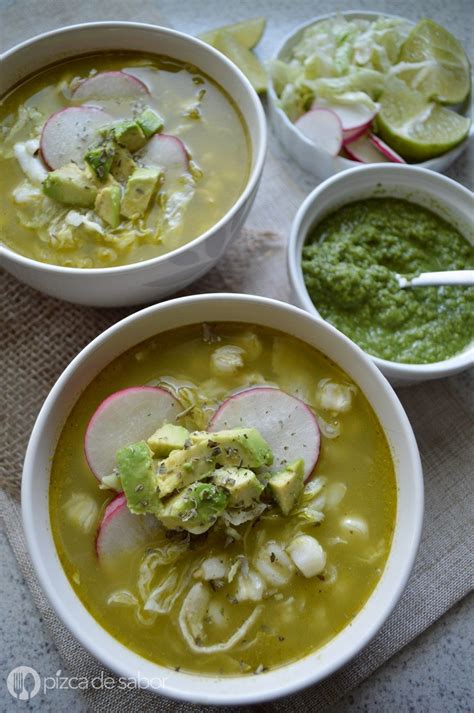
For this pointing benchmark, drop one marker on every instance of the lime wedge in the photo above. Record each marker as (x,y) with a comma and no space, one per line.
(247,32)
(244,59)
(417,128)
(440,68)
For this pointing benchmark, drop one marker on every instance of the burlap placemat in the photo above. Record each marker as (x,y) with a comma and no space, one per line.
(39,337)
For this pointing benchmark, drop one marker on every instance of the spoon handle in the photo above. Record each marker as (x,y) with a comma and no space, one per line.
(446,277)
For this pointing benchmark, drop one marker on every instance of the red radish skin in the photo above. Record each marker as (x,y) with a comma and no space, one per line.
(166,152)
(385,149)
(354,134)
(323,128)
(287,424)
(364,151)
(120,530)
(123,418)
(68,133)
(110,85)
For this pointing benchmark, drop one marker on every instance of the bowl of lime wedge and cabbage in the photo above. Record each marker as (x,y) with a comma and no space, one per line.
(357,88)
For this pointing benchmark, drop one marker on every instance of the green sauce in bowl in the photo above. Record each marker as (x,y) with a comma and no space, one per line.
(350,261)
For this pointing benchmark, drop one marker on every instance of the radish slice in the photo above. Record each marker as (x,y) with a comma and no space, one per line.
(366,150)
(110,85)
(120,530)
(287,424)
(353,134)
(123,418)
(323,128)
(352,116)
(385,149)
(68,133)
(165,152)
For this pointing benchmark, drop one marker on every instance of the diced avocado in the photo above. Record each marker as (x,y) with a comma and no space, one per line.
(168,438)
(138,478)
(288,485)
(130,135)
(242,484)
(107,205)
(150,122)
(100,158)
(138,192)
(184,467)
(71,185)
(123,165)
(194,509)
(243,447)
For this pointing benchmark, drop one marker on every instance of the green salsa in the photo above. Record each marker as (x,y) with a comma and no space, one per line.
(350,261)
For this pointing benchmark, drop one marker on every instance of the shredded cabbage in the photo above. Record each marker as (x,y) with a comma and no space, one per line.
(337,56)
(82,510)
(164,595)
(191,622)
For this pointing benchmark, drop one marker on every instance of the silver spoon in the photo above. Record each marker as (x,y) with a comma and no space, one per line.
(445,277)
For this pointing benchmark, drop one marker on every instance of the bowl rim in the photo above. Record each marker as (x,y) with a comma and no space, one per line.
(277,685)
(254,173)
(463,359)
(346,163)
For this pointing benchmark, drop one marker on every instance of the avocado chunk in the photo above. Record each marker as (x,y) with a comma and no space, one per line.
(241,447)
(195,509)
(150,122)
(244,447)
(130,135)
(288,485)
(107,205)
(100,158)
(242,484)
(168,438)
(123,165)
(138,478)
(71,185)
(138,192)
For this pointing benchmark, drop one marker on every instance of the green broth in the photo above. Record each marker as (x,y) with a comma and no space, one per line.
(349,264)
(303,614)
(194,108)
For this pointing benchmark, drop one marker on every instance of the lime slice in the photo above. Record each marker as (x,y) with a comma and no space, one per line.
(244,59)
(417,128)
(440,69)
(248,32)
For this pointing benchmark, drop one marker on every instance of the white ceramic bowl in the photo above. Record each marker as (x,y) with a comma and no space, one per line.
(152,279)
(440,194)
(36,474)
(306,154)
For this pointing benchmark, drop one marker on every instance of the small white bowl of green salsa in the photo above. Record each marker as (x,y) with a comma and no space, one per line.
(376,221)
